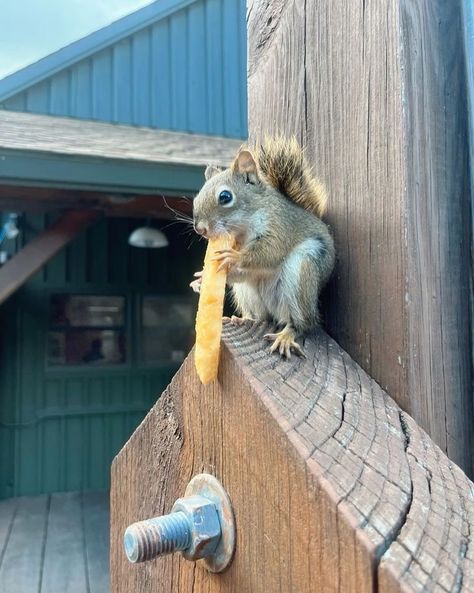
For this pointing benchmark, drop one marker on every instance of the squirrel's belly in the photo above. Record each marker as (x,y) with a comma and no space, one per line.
(278,300)
(289,294)
(260,300)
(249,302)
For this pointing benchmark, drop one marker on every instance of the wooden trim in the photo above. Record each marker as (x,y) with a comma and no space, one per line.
(98,174)
(16,271)
(334,487)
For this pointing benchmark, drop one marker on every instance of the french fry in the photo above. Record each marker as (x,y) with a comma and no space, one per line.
(209,314)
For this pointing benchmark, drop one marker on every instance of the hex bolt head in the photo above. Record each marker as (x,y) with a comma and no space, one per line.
(204,524)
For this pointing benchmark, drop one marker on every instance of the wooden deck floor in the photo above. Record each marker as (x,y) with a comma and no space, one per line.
(56,543)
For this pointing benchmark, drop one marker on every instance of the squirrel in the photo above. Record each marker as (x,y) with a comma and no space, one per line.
(270,202)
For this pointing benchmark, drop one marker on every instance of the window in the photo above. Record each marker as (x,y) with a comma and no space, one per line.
(86,330)
(167,329)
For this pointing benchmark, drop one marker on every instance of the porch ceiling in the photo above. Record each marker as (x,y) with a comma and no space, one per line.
(41,150)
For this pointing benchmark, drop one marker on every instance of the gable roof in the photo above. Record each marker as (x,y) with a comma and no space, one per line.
(78,50)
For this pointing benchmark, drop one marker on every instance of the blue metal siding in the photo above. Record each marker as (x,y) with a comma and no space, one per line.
(184,72)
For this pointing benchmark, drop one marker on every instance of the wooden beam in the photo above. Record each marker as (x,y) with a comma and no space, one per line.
(149,207)
(364,86)
(334,487)
(19,198)
(40,199)
(16,271)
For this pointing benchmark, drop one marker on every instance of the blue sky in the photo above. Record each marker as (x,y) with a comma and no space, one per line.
(32,29)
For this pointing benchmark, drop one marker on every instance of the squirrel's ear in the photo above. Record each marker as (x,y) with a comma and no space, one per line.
(210,171)
(244,164)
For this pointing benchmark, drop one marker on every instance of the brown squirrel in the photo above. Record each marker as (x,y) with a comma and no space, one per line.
(270,202)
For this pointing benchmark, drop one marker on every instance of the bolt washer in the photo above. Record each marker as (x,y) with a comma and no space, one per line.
(208,486)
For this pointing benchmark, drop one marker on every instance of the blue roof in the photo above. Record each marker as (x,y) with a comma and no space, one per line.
(83,48)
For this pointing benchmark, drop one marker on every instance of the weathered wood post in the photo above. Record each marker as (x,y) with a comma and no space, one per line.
(376,90)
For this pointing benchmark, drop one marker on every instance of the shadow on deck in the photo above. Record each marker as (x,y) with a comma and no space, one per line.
(55,543)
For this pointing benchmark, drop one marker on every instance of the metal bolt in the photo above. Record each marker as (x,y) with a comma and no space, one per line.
(200,525)
(155,537)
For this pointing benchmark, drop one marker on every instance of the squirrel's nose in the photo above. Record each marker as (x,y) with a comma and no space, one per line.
(201,229)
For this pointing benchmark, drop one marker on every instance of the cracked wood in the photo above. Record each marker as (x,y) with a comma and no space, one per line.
(334,487)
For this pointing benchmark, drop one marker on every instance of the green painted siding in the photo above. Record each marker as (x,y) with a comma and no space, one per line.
(60,427)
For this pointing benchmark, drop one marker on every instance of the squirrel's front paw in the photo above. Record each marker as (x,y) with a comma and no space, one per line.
(228,258)
(196,284)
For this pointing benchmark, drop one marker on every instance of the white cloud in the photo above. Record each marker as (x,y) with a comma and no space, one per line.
(32,29)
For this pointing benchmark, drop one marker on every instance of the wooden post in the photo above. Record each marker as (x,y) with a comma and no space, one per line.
(376,92)
(334,488)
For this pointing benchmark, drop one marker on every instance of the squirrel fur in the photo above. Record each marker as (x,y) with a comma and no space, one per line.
(272,204)
(281,162)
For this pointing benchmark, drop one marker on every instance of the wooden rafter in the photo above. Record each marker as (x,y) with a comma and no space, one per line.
(41,249)
(41,199)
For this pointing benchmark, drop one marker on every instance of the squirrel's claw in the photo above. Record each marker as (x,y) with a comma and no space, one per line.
(234,320)
(196,284)
(227,258)
(285,343)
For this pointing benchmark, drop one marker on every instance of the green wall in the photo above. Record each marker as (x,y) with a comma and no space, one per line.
(60,427)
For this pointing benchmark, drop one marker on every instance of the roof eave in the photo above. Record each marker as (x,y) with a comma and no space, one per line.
(34,168)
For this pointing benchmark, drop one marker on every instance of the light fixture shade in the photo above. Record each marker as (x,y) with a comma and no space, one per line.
(148,237)
(10,228)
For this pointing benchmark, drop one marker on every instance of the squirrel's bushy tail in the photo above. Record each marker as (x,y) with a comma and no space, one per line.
(282,163)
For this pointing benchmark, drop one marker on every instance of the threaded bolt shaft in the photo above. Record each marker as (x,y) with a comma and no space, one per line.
(155,537)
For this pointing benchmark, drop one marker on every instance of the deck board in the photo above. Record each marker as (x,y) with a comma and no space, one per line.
(7,514)
(55,543)
(20,571)
(64,541)
(96,533)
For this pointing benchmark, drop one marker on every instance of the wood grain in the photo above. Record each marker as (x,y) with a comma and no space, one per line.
(375,90)
(334,487)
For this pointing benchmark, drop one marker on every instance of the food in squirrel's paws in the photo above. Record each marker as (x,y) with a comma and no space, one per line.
(210,308)
(273,205)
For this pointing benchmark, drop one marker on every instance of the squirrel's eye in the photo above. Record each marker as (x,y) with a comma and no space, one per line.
(225,197)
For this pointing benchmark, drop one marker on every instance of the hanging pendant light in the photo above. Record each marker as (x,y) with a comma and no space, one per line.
(149,237)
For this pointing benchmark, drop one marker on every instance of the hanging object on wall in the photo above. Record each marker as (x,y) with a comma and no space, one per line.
(10,228)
